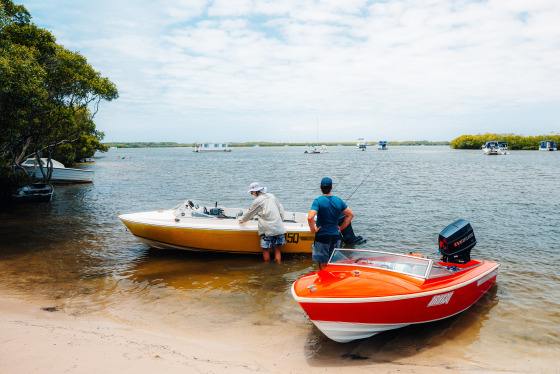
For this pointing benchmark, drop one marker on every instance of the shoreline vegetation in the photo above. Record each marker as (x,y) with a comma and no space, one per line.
(515,142)
(267,144)
(49,97)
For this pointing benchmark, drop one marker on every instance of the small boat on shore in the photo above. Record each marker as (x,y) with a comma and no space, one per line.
(34,193)
(547,145)
(363,292)
(60,173)
(198,226)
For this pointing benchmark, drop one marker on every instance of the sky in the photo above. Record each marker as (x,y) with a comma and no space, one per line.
(307,71)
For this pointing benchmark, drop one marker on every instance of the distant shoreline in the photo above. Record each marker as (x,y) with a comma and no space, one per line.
(268,144)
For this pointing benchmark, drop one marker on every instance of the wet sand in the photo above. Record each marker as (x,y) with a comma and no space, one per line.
(38,339)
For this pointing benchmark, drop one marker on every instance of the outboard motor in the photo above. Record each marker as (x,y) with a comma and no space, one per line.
(348,236)
(456,242)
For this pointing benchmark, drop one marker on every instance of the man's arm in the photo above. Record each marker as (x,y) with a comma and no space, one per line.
(349,215)
(280,209)
(311,221)
(251,212)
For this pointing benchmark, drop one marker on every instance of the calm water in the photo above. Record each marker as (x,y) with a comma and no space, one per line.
(75,254)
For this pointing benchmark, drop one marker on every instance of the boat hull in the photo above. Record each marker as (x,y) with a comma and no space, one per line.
(346,319)
(213,235)
(65,175)
(35,193)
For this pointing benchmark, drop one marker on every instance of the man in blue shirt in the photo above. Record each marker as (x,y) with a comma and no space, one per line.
(327,209)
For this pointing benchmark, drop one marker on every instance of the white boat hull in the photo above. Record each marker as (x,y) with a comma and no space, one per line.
(65,175)
(495,152)
(344,332)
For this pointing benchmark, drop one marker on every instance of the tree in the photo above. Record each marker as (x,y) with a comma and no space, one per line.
(48,94)
(515,142)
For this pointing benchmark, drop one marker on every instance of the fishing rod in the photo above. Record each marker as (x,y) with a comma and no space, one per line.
(344,176)
(371,171)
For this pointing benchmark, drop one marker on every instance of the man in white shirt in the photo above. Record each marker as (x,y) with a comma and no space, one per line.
(270,214)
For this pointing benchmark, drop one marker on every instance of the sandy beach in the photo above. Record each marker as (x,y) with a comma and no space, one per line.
(50,341)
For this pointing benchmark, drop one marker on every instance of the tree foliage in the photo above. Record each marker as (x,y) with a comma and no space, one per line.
(515,142)
(48,94)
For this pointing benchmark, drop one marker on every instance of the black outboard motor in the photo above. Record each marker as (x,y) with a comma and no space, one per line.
(348,236)
(456,242)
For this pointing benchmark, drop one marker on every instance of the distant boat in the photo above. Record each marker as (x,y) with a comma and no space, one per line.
(361,145)
(382,145)
(34,193)
(494,148)
(316,149)
(548,145)
(60,173)
(211,147)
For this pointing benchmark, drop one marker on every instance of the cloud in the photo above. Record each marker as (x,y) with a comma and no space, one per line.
(394,67)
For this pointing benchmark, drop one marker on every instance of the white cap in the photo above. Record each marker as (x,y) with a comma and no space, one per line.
(255,186)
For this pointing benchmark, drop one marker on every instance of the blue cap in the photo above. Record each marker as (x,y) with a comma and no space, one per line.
(327,182)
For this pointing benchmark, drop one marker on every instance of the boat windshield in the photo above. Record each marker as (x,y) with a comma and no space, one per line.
(204,210)
(399,263)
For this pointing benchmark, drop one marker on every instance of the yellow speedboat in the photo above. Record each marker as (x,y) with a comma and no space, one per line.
(195,226)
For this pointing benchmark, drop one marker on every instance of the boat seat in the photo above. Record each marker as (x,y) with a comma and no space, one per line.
(200,215)
(403,268)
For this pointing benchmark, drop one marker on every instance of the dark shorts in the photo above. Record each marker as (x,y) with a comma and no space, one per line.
(324,246)
(272,241)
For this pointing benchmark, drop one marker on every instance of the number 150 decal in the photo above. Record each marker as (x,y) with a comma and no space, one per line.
(292,237)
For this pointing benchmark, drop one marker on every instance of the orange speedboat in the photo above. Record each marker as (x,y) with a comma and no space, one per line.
(363,292)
